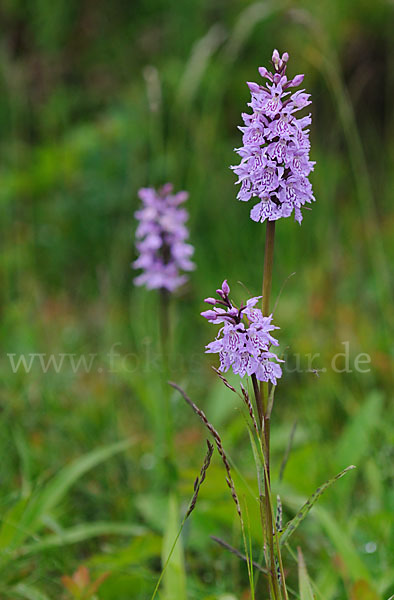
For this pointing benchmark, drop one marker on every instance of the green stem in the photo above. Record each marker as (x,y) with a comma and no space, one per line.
(167,451)
(164,301)
(266,402)
(276,595)
(268,266)
(266,292)
(168,559)
(266,288)
(259,404)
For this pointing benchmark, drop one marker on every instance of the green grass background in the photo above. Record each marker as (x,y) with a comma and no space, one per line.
(97,100)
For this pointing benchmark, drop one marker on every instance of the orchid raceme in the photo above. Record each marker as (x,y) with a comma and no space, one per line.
(161,239)
(275,161)
(244,341)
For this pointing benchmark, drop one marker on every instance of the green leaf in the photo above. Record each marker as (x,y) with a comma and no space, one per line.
(355,440)
(201,55)
(10,523)
(247,20)
(343,545)
(259,461)
(174,579)
(45,500)
(80,533)
(29,592)
(152,508)
(304,583)
(292,525)
(25,458)
(59,485)
(139,550)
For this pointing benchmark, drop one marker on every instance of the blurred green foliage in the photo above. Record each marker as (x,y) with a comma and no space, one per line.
(96,100)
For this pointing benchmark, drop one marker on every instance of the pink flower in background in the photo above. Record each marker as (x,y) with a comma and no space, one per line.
(161,239)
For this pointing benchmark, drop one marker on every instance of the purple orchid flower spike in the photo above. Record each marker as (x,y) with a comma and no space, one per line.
(244,341)
(275,163)
(161,239)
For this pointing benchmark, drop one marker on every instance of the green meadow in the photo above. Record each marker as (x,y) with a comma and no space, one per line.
(98,455)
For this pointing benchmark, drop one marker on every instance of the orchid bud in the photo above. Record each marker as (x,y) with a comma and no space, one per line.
(225,287)
(209,314)
(275,58)
(297,80)
(264,73)
(254,88)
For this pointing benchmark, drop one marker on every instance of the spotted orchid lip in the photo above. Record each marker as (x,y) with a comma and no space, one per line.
(244,341)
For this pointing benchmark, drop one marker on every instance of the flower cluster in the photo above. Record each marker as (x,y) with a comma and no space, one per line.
(275,154)
(244,341)
(161,236)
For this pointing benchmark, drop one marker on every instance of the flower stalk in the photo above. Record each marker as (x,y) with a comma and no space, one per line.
(168,451)
(266,393)
(164,257)
(274,169)
(268,266)
(165,329)
(244,344)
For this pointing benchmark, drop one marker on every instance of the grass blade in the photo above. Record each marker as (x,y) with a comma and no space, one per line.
(198,62)
(288,450)
(343,545)
(355,440)
(80,533)
(292,525)
(10,523)
(47,498)
(172,555)
(55,490)
(245,24)
(304,583)
(174,580)
(23,590)
(238,554)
